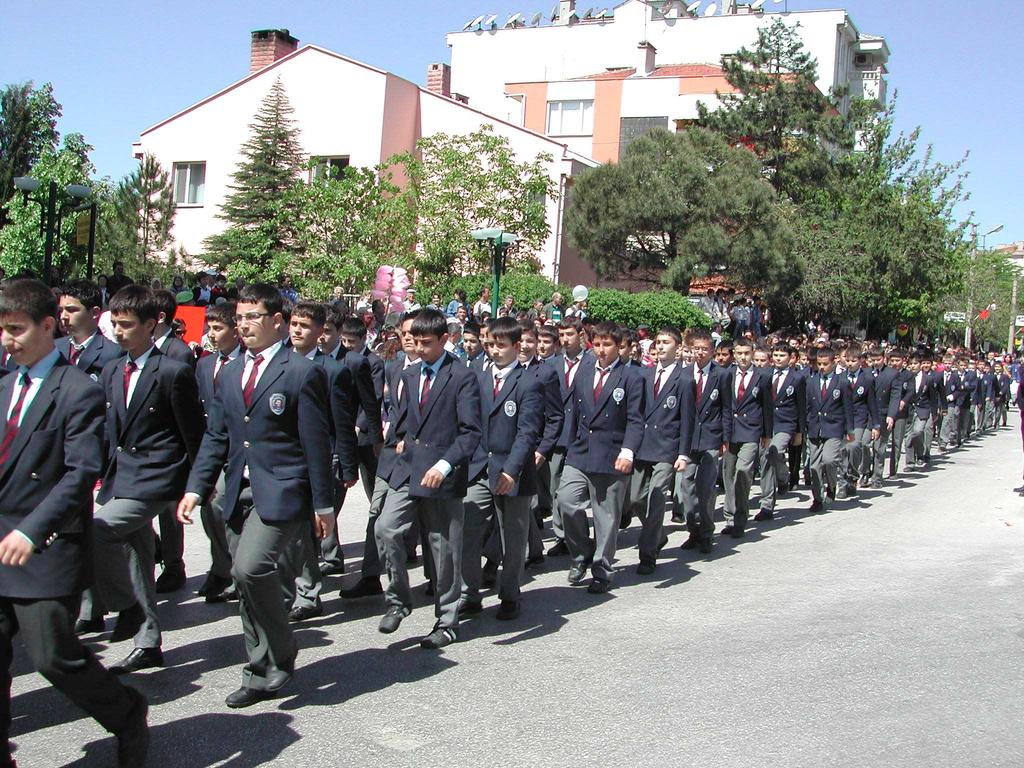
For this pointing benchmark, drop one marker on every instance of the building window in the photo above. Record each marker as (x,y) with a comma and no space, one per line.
(189,183)
(514,108)
(571,118)
(331,167)
(632,128)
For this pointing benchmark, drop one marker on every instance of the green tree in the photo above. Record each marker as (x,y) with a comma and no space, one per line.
(779,112)
(261,239)
(681,205)
(136,225)
(474,181)
(21,243)
(350,225)
(28,130)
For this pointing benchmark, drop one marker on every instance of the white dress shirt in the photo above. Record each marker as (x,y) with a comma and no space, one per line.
(140,363)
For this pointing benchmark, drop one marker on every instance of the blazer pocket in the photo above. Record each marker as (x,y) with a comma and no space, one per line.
(298,472)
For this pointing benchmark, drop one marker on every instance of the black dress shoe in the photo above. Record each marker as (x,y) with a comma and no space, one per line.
(365,587)
(783,488)
(534,561)
(764,514)
(429,590)
(876,485)
(89,626)
(817,506)
(508,610)
(557,549)
(843,492)
(728,530)
(246,697)
(737,533)
(304,612)
(705,545)
(411,557)
(626,520)
(332,569)
(678,519)
(470,608)
(139,658)
(171,580)
(830,492)
(690,543)
(598,586)
(133,739)
(439,638)
(213,585)
(489,575)
(128,623)
(646,567)
(391,620)
(578,573)
(229,593)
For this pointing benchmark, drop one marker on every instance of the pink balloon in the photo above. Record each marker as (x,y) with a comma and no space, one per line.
(382,295)
(385,271)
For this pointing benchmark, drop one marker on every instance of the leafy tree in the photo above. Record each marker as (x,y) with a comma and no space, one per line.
(28,129)
(261,239)
(21,243)
(681,205)
(136,225)
(351,225)
(778,111)
(653,308)
(474,181)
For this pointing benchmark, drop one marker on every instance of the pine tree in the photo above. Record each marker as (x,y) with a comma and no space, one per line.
(262,237)
(779,112)
(138,223)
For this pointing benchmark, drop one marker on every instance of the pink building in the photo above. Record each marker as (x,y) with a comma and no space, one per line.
(370,115)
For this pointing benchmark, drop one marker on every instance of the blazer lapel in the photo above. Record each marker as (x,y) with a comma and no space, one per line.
(506,387)
(39,407)
(142,387)
(90,353)
(444,375)
(610,382)
(275,368)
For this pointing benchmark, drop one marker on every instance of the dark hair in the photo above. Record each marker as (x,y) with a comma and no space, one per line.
(725,346)
(566,323)
(265,293)
(311,310)
(671,330)
(430,322)
(826,352)
(548,333)
(29,296)
(612,331)
(781,346)
(84,291)
(335,315)
(412,314)
(353,326)
(741,341)
(506,328)
(137,300)
(471,326)
(166,303)
(222,313)
(460,294)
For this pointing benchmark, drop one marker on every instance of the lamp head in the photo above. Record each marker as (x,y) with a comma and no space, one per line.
(26,184)
(78,190)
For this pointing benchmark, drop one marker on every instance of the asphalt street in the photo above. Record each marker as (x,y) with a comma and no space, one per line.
(888,631)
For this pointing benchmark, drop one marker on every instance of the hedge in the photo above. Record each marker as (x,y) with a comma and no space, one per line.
(651,308)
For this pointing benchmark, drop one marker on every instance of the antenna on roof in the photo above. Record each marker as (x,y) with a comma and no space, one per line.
(588,14)
(535,21)
(554,13)
(757,6)
(711,10)
(474,23)
(515,20)
(691,9)
(603,13)
(491,21)
(670,10)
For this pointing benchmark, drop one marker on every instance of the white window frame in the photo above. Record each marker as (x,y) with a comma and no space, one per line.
(559,123)
(322,162)
(188,169)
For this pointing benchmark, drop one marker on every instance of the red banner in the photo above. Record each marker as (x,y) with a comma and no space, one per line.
(194,320)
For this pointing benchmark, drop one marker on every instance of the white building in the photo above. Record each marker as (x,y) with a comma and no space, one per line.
(347,113)
(593,77)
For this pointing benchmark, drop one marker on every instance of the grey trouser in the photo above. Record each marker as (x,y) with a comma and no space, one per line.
(172,539)
(698,485)
(514,518)
(603,494)
(963,427)
(824,456)
(330,548)
(256,548)
(879,447)
(371,567)
(916,437)
(738,472)
(557,467)
(301,578)
(545,499)
(653,485)
(211,514)
(442,521)
(950,424)
(774,468)
(47,628)
(899,432)
(856,454)
(124,551)
(989,414)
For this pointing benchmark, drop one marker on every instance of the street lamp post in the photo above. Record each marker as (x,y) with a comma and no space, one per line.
(500,242)
(52,212)
(970,277)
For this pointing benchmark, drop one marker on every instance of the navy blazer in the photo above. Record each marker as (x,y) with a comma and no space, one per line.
(865,402)
(447,427)
(511,425)
(969,383)
(568,398)
(388,458)
(831,417)
(46,484)
(952,388)
(153,442)
(751,416)
(712,427)
(283,437)
(1003,388)
(341,393)
(554,414)
(789,403)
(176,349)
(903,381)
(100,351)
(984,389)
(668,418)
(888,391)
(605,427)
(924,400)
(368,397)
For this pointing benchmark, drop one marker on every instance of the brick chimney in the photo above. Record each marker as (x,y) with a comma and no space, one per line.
(439,79)
(269,45)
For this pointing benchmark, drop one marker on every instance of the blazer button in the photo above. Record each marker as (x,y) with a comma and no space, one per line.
(152,409)
(108,403)
(417,441)
(245,444)
(247,419)
(134,449)
(34,475)
(120,449)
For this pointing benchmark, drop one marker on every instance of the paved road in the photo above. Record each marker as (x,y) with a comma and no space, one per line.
(888,633)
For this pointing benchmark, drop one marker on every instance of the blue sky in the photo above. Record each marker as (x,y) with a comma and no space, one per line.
(119,67)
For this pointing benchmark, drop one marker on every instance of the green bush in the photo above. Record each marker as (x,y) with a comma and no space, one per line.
(651,308)
(525,287)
